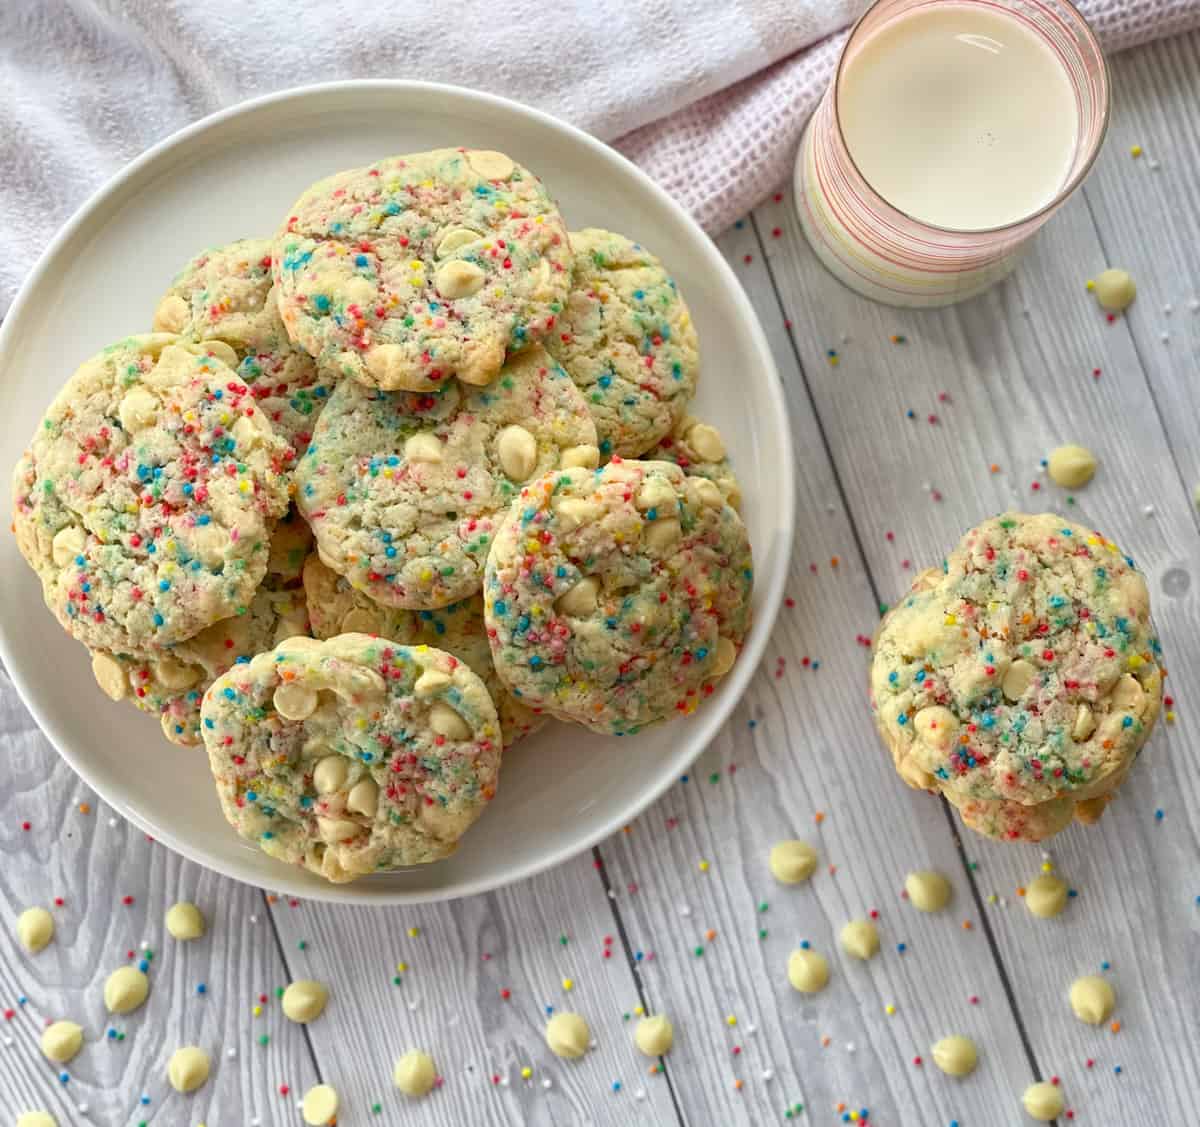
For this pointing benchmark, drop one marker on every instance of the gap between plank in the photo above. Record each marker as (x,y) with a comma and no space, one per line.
(312,1052)
(863,559)
(633,969)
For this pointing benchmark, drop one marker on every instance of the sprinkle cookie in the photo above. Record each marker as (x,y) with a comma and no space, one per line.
(147,495)
(615,597)
(404,490)
(419,268)
(699,450)
(337,608)
(627,340)
(353,755)
(226,294)
(1022,678)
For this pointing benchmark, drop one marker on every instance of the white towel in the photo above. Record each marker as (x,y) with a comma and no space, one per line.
(708,95)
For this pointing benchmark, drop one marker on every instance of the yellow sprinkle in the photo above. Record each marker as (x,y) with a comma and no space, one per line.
(731,1020)
(1090,286)
(568,983)
(526,1072)
(1171,717)
(889,1009)
(1135,661)
(1135,151)
(638,1010)
(951,620)
(401,967)
(257,1011)
(704,866)
(1047,866)
(414,932)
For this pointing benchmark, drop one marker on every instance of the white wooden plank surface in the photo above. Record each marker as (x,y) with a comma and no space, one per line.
(1017,367)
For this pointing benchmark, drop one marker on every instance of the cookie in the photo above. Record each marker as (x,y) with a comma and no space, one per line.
(404,490)
(616,597)
(420,268)
(170,684)
(699,450)
(352,755)
(227,294)
(147,495)
(626,338)
(291,540)
(1022,678)
(335,607)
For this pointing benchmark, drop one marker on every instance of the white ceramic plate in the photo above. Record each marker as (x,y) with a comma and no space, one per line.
(233,175)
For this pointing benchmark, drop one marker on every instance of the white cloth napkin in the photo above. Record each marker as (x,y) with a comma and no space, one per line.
(708,95)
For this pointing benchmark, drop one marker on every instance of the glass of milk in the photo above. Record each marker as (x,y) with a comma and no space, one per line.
(951,133)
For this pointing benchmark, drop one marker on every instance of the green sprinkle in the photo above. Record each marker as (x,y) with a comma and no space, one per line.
(762,933)
(376,1109)
(303,944)
(563,940)
(278,991)
(396,980)
(264,1040)
(715,777)
(698,951)
(763,906)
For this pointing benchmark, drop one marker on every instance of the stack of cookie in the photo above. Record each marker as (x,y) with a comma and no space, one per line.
(501,509)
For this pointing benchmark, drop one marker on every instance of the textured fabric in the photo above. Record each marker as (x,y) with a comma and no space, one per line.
(709,96)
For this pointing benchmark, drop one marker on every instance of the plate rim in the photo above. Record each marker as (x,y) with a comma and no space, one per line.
(752,652)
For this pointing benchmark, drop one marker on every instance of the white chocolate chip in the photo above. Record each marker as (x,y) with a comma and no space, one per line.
(808,970)
(36,1118)
(574,512)
(792,861)
(1043,1101)
(294,701)
(188,1068)
(936,727)
(708,493)
(490,164)
(333,831)
(430,682)
(654,1035)
(320,1105)
(35,929)
(1085,723)
(585,457)
(459,278)
(221,351)
(706,441)
(1071,466)
(580,600)
(414,1073)
(446,722)
(67,544)
(455,239)
(928,891)
(172,674)
(360,621)
(138,410)
(860,938)
(1128,693)
(1092,999)
(172,315)
(363,798)
(125,989)
(185,921)
(661,534)
(1018,678)
(539,281)
(568,1036)
(1046,896)
(61,1041)
(386,363)
(110,676)
(955,1055)
(726,656)
(330,774)
(423,447)
(246,433)
(517,450)
(304,1001)
(1114,290)
(656,494)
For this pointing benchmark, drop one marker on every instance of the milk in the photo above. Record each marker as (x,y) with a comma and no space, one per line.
(959,116)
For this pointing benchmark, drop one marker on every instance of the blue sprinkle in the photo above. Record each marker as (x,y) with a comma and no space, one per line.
(1158,814)
(804,944)
(201,988)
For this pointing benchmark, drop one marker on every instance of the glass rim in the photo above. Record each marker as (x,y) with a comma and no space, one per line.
(1059,197)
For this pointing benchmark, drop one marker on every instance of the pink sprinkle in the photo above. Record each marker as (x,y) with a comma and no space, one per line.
(936,495)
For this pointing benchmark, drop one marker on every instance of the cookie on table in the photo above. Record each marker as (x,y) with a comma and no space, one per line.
(226,294)
(424,267)
(404,490)
(616,597)
(170,684)
(699,450)
(353,755)
(627,339)
(147,495)
(1022,678)
(335,607)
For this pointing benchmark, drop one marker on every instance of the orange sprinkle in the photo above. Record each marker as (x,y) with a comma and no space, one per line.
(627,829)
(1115,1027)
(819,817)
(272,898)
(966,925)
(738,1085)
(994,468)
(825,1042)
(839,1108)
(710,935)
(1020,892)
(84,808)
(833,561)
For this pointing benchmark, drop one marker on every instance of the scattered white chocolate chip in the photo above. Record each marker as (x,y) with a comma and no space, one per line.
(574,512)
(446,722)
(35,928)
(654,1035)
(568,1035)
(67,543)
(363,798)
(927,891)
(955,1055)
(304,1000)
(490,164)
(661,534)
(335,830)
(792,861)
(579,601)
(455,239)
(808,970)
(517,450)
(1114,290)
(423,447)
(1085,723)
(706,441)
(586,457)
(459,278)
(1092,999)
(656,494)
(330,773)
(185,921)
(1017,679)
(294,701)
(726,655)
(125,989)
(1072,466)
(222,351)
(431,681)
(138,410)
(188,1068)
(171,316)
(320,1105)
(36,1119)
(707,492)
(860,939)
(1043,1101)
(1046,896)
(414,1073)
(61,1041)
